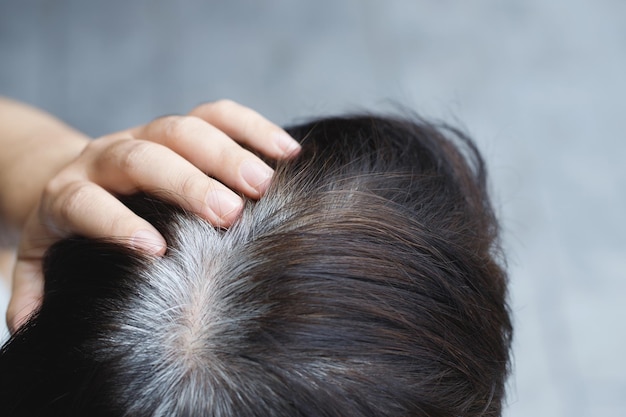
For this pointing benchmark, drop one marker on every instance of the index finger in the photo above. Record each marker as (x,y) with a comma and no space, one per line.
(249,128)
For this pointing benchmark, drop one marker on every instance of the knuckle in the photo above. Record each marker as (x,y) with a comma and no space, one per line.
(131,155)
(225,104)
(178,128)
(59,185)
(98,147)
(202,108)
(171,125)
(95,145)
(193,187)
(230,157)
(54,186)
(220,108)
(95,153)
(74,198)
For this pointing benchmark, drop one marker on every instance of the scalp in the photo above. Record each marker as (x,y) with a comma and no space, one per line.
(365,282)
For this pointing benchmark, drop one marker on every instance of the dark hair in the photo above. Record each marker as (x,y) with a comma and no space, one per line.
(366,282)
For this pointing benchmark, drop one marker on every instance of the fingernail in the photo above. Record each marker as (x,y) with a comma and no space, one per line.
(286,143)
(148,241)
(256,174)
(223,203)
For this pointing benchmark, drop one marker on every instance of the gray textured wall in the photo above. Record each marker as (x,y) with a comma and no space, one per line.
(539,83)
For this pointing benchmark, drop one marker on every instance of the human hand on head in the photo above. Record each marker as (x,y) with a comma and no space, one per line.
(189,160)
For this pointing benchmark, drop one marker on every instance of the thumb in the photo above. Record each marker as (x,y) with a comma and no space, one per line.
(26,293)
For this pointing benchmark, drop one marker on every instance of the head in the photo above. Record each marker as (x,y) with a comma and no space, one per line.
(366,282)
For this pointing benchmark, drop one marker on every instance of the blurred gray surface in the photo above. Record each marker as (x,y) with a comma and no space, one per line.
(540,84)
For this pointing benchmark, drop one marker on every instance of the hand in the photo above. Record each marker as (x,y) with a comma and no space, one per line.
(175,157)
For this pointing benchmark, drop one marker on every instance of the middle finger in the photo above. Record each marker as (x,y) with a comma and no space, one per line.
(211,150)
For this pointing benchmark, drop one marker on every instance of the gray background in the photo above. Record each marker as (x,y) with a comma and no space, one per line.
(540,84)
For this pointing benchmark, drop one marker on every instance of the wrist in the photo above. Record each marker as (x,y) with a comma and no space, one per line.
(35,147)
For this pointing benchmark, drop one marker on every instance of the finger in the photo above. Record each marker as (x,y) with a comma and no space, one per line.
(129,166)
(209,149)
(248,127)
(86,209)
(81,208)
(27,291)
(27,285)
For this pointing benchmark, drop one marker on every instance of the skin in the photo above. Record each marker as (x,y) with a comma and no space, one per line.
(6,265)
(56,182)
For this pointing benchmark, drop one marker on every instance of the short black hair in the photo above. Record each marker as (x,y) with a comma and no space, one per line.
(368,281)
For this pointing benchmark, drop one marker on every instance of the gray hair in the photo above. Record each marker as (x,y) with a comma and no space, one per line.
(366,282)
